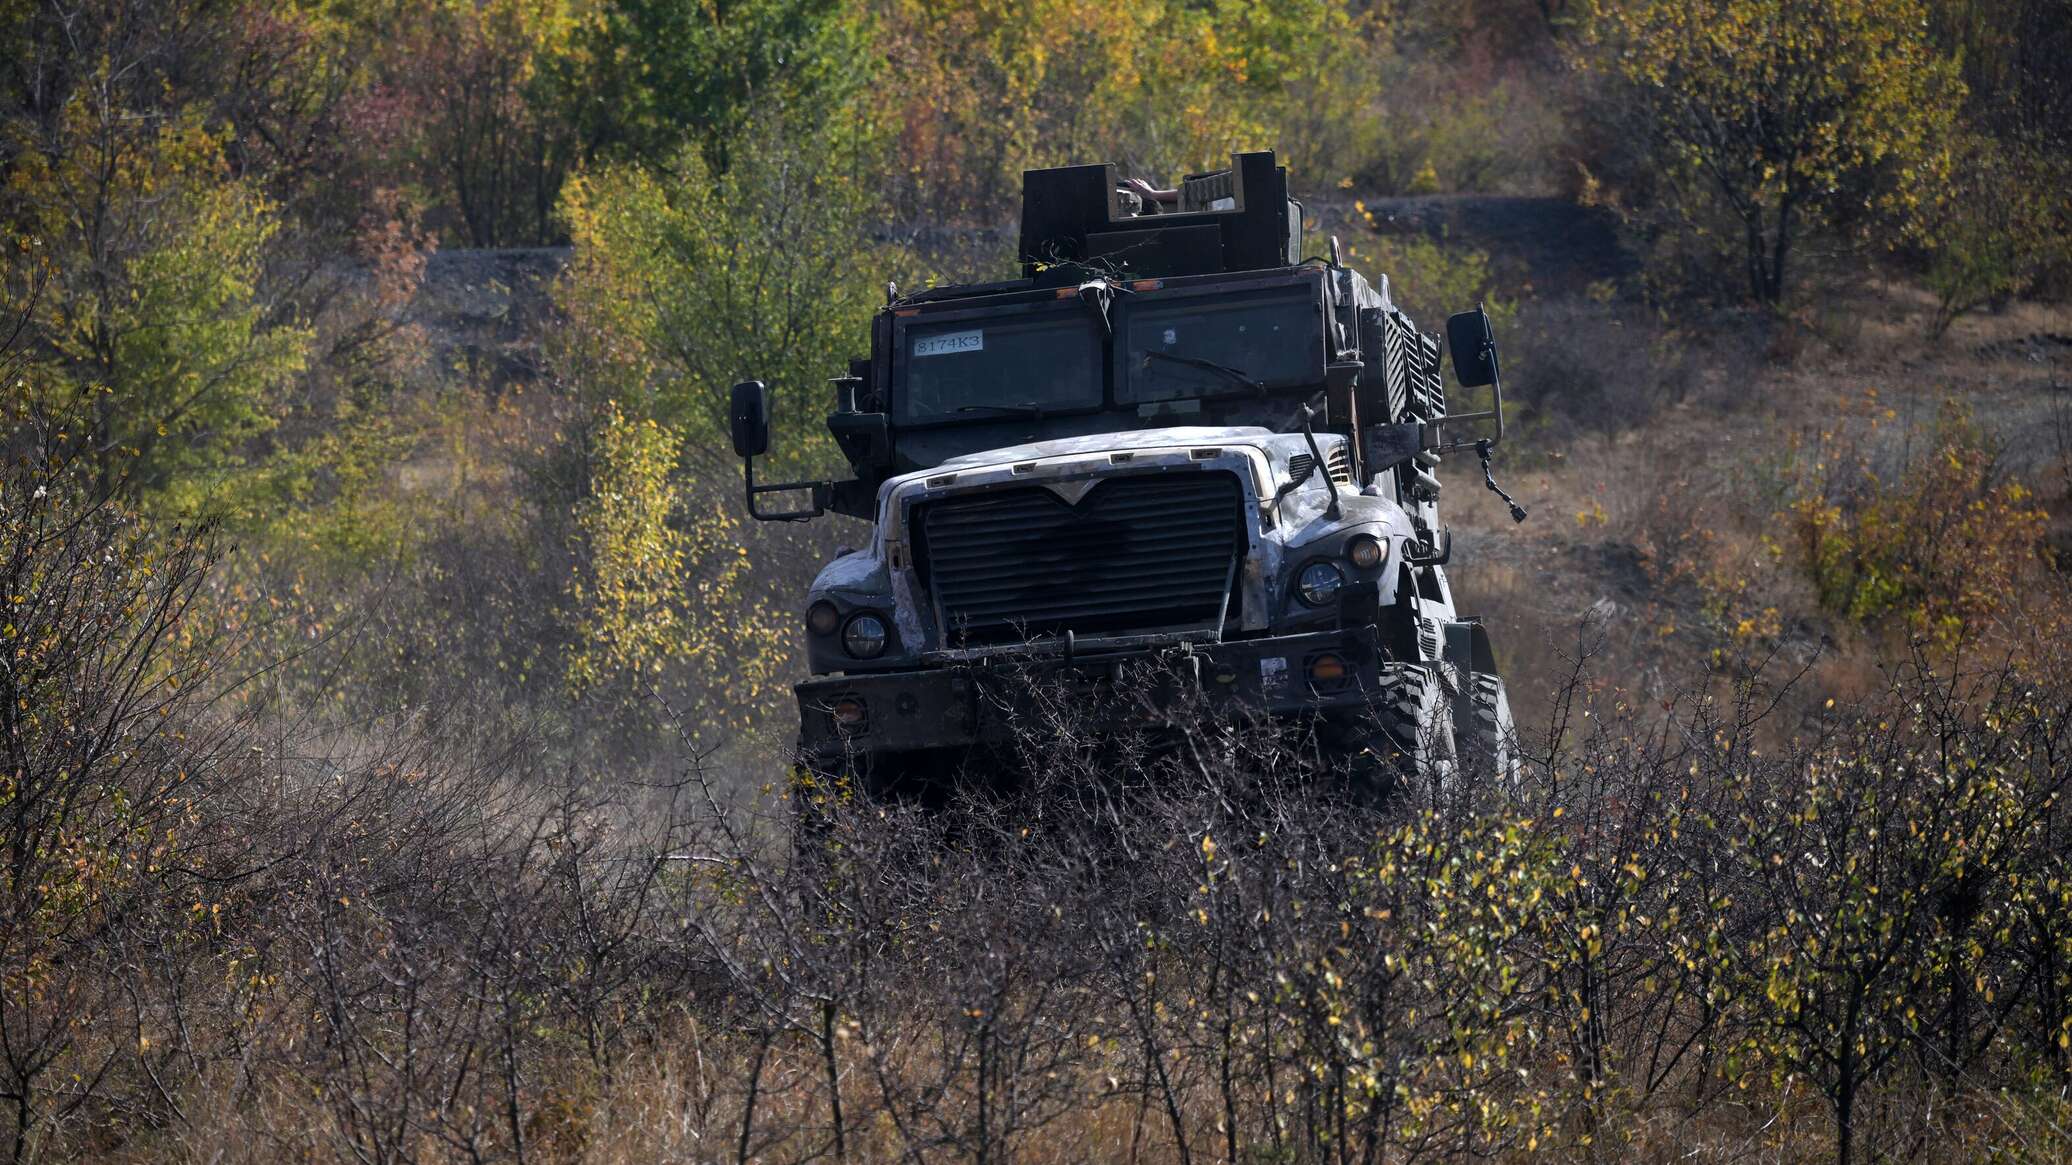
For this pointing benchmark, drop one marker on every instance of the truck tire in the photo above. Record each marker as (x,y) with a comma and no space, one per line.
(1410,740)
(818,790)
(832,796)
(821,786)
(1486,734)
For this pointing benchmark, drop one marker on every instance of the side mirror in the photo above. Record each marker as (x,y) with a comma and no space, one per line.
(748,417)
(1473,344)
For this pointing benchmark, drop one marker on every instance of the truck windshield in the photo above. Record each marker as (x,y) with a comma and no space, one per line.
(975,368)
(1202,346)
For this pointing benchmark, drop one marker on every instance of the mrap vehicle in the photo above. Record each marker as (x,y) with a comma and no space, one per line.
(1172,441)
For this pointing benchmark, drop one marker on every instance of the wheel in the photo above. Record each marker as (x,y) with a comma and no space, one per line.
(1487,736)
(821,786)
(827,792)
(1409,738)
(818,791)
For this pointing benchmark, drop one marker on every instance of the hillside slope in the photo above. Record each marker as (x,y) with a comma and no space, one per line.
(1652,450)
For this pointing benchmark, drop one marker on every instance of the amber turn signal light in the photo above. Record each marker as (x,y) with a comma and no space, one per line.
(1327,670)
(822,618)
(850,714)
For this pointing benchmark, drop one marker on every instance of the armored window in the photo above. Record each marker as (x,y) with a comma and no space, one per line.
(1171,347)
(967,367)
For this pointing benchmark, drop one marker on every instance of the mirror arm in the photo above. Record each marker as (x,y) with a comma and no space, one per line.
(821,491)
(1496,388)
(1482,448)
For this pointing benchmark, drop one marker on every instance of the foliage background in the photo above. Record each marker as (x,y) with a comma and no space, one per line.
(396,695)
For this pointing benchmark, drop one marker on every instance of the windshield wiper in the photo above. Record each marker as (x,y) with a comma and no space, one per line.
(1029,411)
(1234,375)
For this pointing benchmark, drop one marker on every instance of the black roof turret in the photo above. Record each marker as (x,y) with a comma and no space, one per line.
(1077,219)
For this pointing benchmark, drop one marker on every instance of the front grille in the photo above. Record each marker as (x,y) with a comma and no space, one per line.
(1136,553)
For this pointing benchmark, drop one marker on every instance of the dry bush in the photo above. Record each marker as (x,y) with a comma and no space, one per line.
(1176,936)
(1922,530)
(1591,366)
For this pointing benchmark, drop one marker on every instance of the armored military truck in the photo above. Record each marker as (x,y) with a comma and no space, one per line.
(1171,439)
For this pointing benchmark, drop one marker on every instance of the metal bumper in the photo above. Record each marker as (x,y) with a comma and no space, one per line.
(982,701)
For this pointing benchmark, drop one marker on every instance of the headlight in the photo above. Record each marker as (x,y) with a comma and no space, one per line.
(1365,551)
(865,636)
(1318,583)
(822,618)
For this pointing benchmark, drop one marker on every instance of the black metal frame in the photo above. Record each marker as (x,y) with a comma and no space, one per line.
(822,496)
(946,701)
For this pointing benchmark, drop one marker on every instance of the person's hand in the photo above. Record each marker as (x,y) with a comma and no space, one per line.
(1148,192)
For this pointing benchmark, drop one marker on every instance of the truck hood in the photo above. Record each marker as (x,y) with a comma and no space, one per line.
(1278,527)
(1274,444)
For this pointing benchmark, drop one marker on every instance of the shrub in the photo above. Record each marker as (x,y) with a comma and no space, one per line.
(663,585)
(104,665)
(1432,278)
(1948,548)
(1184,935)
(1995,227)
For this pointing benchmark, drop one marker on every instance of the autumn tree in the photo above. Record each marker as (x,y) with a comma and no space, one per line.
(1999,224)
(149,160)
(643,76)
(1996,226)
(684,281)
(1162,88)
(154,351)
(475,108)
(1768,119)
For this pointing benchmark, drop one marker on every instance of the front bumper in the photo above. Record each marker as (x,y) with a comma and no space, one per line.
(990,700)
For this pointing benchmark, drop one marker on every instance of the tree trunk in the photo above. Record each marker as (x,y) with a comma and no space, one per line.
(1845,1107)
(755,1081)
(834,1077)
(1780,250)
(1753,260)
